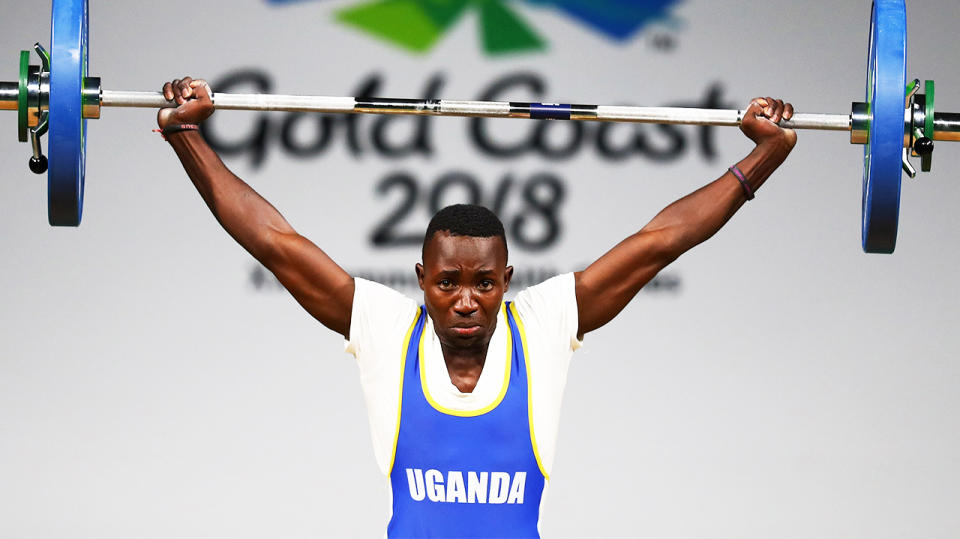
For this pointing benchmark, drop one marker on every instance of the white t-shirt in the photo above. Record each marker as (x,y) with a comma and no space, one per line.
(380,321)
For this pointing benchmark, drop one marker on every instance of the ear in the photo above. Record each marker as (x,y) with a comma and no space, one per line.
(420,274)
(507,275)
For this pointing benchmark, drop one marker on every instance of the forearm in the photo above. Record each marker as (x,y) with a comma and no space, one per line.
(243,213)
(321,286)
(605,288)
(696,217)
(607,285)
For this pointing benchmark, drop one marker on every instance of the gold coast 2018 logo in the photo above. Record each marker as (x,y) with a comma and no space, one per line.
(417,25)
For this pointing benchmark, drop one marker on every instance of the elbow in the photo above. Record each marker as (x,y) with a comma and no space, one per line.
(273,246)
(665,245)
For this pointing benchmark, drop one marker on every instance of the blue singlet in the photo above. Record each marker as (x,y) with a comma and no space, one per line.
(465,474)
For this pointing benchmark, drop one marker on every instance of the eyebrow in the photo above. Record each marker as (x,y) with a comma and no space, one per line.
(454,271)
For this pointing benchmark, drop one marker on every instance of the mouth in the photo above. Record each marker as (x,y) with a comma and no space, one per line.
(466,331)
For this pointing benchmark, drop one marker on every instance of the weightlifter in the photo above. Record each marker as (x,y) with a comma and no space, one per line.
(463,394)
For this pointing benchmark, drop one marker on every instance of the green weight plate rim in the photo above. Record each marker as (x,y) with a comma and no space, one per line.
(928,113)
(22,117)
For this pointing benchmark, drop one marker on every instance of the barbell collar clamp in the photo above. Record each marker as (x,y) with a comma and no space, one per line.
(918,118)
(910,123)
(38,95)
(907,165)
(924,148)
(38,162)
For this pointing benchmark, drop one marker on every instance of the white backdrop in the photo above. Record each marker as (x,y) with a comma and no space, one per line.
(154,383)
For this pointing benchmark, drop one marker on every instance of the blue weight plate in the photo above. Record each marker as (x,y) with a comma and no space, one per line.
(886,83)
(67,144)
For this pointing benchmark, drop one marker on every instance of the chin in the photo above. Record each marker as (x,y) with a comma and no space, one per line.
(453,339)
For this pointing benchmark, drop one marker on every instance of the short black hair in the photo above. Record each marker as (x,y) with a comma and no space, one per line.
(466,220)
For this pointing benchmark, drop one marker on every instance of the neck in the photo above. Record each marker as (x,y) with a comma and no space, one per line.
(464,365)
(464,358)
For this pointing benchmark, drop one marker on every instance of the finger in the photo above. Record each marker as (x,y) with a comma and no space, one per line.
(201,89)
(185,87)
(182,90)
(788,111)
(755,108)
(769,107)
(777,112)
(168,91)
(176,97)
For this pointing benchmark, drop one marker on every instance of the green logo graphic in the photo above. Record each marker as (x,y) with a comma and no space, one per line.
(417,25)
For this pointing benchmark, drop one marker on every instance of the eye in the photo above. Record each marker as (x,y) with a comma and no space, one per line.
(485,284)
(445,284)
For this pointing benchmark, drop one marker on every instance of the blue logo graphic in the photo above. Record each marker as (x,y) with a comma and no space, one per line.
(618,19)
(417,25)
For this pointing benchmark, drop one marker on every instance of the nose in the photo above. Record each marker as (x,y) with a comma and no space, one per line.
(466,304)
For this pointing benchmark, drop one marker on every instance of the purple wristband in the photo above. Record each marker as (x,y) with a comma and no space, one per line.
(743,182)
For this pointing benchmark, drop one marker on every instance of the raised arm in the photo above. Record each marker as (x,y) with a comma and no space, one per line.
(607,285)
(322,287)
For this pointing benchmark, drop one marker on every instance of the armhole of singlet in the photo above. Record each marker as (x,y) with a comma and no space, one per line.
(526,362)
(503,390)
(403,367)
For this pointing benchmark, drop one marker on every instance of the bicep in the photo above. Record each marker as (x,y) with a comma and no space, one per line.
(318,283)
(605,288)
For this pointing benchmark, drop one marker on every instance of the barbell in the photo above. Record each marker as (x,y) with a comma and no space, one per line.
(894,122)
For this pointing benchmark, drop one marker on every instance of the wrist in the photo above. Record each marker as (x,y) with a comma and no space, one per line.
(177,127)
(170,129)
(773,149)
(760,164)
(744,184)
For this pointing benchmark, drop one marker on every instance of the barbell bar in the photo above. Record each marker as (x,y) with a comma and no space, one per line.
(894,122)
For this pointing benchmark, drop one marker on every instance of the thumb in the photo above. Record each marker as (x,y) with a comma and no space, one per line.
(202,89)
(759,107)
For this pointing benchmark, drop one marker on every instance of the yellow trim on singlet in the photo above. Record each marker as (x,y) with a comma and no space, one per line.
(503,390)
(526,358)
(403,366)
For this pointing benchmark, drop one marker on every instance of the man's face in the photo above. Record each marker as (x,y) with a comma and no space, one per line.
(463,279)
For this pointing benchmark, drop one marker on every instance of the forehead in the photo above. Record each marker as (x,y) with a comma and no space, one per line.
(451,251)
